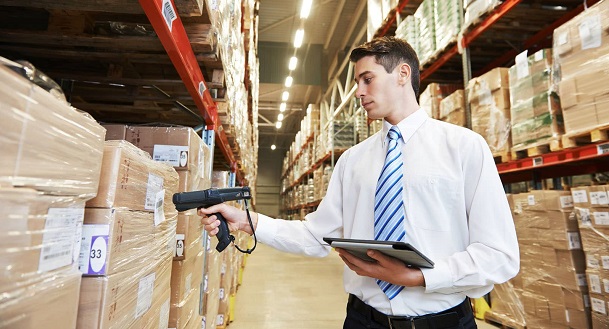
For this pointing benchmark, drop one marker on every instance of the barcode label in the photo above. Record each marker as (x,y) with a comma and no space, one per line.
(168,13)
(595,283)
(598,305)
(590,32)
(144,295)
(592,261)
(531,200)
(574,242)
(174,155)
(538,161)
(601,218)
(602,148)
(202,88)
(155,184)
(566,201)
(579,196)
(605,261)
(59,238)
(159,211)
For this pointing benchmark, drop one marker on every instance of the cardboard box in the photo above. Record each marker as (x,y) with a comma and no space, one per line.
(131,179)
(115,131)
(121,300)
(186,275)
(180,147)
(183,313)
(49,304)
(211,300)
(117,240)
(452,108)
(40,235)
(46,144)
(189,231)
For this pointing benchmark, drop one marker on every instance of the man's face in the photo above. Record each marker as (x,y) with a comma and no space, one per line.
(376,89)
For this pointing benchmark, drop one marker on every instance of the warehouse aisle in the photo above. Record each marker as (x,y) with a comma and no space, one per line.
(280,290)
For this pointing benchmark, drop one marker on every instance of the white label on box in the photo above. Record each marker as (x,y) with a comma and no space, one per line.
(581,279)
(531,200)
(220,319)
(603,199)
(574,242)
(144,294)
(563,38)
(164,315)
(537,161)
(579,196)
(58,240)
(567,316)
(94,249)
(169,14)
(595,283)
(484,95)
(179,245)
(205,280)
(601,218)
(566,201)
(606,285)
(173,155)
(159,212)
(202,88)
(602,148)
(590,32)
(538,57)
(592,262)
(594,198)
(605,261)
(522,65)
(221,293)
(598,305)
(155,184)
(187,284)
(584,213)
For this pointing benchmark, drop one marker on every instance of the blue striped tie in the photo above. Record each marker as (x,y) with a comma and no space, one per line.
(388,204)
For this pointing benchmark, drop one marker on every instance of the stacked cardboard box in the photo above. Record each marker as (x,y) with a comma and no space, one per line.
(475,9)
(448,22)
(56,151)
(489,98)
(554,290)
(581,51)
(408,30)
(211,286)
(535,108)
(426,31)
(452,108)
(592,210)
(128,242)
(431,97)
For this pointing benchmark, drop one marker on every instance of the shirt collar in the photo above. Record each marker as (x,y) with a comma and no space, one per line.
(407,127)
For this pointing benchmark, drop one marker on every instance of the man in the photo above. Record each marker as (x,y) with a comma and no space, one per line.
(419,180)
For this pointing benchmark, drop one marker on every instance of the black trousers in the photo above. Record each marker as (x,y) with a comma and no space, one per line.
(356,320)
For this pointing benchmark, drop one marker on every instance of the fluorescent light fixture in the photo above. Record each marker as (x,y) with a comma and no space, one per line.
(278,124)
(282,107)
(273,147)
(280,117)
(298,38)
(288,81)
(293,63)
(285,96)
(306,8)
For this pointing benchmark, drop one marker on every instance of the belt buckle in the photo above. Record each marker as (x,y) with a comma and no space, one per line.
(390,319)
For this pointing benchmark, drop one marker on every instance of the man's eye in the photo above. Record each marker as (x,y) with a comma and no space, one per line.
(367,80)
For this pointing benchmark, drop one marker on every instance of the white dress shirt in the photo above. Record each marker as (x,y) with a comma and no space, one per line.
(457,214)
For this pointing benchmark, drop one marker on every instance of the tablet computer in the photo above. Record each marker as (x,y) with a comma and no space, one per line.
(400,250)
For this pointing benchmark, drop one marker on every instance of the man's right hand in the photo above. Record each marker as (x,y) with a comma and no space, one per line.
(235,218)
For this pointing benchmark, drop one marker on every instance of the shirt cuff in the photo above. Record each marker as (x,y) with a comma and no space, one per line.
(265,229)
(437,278)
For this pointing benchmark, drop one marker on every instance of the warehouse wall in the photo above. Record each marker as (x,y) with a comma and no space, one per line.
(269,181)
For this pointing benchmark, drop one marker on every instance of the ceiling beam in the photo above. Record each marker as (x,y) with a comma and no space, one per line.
(356,17)
(287,19)
(337,14)
(260,116)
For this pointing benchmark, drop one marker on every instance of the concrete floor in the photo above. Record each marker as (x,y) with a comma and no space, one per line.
(281,290)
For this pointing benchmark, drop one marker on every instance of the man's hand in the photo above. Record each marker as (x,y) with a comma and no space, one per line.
(384,267)
(235,218)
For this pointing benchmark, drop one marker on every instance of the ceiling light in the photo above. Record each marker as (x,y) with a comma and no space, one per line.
(280,117)
(293,63)
(285,96)
(298,38)
(273,147)
(288,81)
(278,124)
(282,107)
(306,8)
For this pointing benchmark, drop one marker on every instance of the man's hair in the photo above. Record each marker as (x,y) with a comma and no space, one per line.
(390,52)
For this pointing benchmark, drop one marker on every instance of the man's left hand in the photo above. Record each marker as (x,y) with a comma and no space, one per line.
(384,267)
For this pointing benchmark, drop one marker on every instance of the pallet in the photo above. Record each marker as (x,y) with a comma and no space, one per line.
(501,157)
(598,134)
(478,20)
(501,321)
(536,149)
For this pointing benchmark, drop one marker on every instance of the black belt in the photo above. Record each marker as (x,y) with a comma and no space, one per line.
(445,319)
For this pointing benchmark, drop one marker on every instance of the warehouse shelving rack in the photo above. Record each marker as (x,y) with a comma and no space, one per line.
(178,65)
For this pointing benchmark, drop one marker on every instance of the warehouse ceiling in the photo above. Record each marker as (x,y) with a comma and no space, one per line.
(330,30)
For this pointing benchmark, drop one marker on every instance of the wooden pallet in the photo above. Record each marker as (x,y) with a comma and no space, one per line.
(502,321)
(536,149)
(501,157)
(476,21)
(599,134)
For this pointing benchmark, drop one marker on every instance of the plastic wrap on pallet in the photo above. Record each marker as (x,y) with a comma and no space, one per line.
(426,31)
(534,106)
(131,179)
(489,100)
(186,275)
(476,9)
(581,54)
(40,236)
(46,145)
(447,22)
(50,303)
(431,97)
(553,281)
(452,108)
(506,304)
(211,299)
(136,298)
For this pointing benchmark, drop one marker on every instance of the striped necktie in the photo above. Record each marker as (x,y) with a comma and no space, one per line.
(389,204)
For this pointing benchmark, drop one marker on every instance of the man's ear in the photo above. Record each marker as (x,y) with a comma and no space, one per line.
(404,73)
